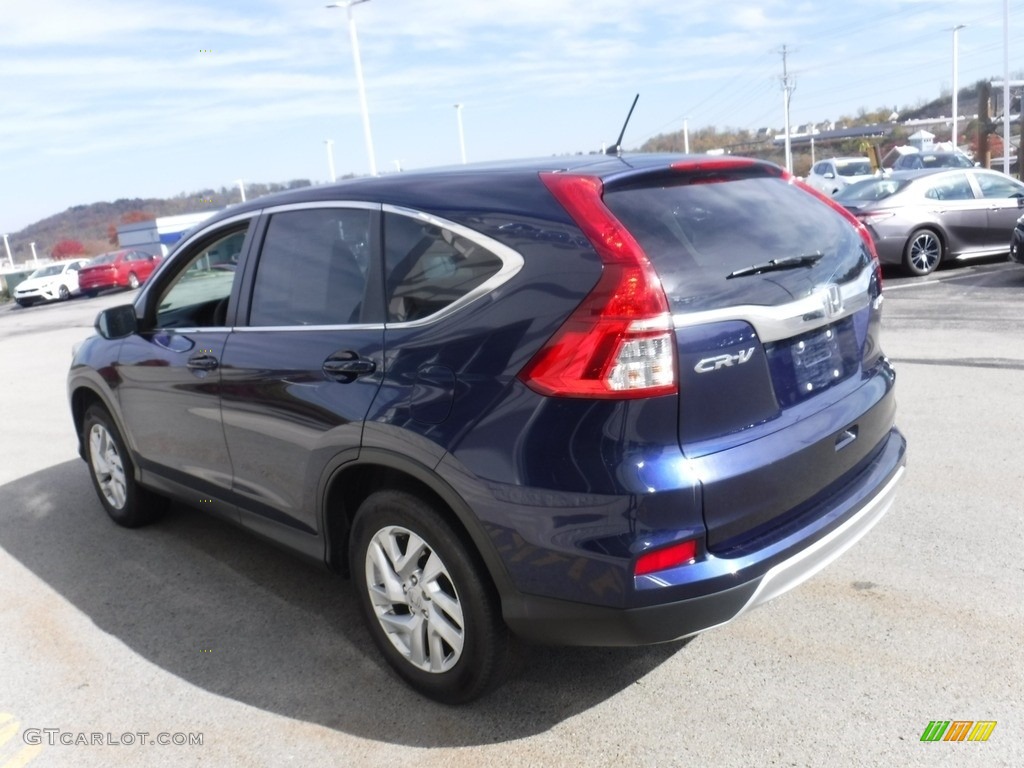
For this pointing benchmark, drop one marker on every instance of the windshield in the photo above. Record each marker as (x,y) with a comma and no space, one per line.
(697,235)
(855,169)
(869,190)
(945,161)
(53,269)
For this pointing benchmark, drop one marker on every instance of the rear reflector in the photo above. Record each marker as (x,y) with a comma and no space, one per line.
(668,557)
(617,343)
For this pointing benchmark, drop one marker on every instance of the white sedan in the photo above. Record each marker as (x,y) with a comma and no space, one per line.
(56,282)
(830,176)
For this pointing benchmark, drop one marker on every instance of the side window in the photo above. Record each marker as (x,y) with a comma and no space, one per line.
(312,268)
(955,187)
(427,267)
(995,186)
(198,295)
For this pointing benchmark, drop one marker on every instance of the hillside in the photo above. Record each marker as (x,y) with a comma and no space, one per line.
(760,144)
(93,224)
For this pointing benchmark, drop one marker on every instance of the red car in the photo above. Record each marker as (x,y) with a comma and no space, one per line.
(117,269)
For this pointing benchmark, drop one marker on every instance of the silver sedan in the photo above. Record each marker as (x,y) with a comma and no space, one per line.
(921,218)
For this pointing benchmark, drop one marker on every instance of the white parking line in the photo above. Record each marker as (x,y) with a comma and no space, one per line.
(886,288)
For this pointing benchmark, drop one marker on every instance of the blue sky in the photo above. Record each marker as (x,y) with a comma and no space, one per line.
(107,99)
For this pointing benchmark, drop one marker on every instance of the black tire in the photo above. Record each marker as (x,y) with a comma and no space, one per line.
(63,293)
(923,252)
(450,600)
(91,294)
(133,280)
(110,467)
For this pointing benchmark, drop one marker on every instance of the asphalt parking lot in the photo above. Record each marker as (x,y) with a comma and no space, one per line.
(191,628)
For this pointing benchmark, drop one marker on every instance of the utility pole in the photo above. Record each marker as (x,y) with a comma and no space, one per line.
(956,82)
(787,90)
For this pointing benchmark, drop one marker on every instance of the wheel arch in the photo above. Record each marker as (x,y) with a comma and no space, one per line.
(349,484)
(82,397)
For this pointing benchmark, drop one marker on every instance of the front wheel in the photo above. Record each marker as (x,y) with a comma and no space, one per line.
(63,293)
(923,253)
(426,599)
(126,502)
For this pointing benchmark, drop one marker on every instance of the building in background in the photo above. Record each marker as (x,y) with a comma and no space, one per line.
(160,234)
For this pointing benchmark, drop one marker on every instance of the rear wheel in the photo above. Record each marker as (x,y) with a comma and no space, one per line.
(923,252)
(133,280)
(126,502)
(426,599)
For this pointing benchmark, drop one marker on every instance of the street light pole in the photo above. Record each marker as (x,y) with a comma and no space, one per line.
(359,79)
(462,135)
(956,83)
(241,187)
(7,247)
(330,159)
(35,259)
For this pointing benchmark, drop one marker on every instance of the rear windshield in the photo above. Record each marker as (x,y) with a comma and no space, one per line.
(106,258)
(696,235)
(854,169)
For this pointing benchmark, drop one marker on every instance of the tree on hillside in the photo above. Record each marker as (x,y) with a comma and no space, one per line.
(132,217)
(67,249)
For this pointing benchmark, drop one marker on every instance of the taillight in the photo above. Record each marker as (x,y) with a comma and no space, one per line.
(618,342)
(662,559)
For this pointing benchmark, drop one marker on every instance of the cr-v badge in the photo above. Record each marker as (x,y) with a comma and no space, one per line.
(709,364)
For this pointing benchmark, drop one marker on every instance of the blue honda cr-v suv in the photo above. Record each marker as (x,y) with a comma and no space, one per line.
(595,401)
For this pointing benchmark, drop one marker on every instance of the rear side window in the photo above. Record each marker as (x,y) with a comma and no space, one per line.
(697,234)
(954,187)
(312,268)
(999,186)
(428,267)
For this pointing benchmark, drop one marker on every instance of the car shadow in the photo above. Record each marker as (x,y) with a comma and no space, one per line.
(240,618)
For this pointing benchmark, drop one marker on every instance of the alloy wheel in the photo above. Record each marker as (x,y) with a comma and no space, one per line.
(107,466)
(925,252)
(414,599)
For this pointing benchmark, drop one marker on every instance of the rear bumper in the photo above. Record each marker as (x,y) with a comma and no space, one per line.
(759,577)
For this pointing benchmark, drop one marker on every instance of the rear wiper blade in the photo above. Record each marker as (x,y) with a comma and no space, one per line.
(788,262)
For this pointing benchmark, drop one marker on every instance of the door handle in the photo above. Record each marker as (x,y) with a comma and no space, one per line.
(202,363)
(347,366)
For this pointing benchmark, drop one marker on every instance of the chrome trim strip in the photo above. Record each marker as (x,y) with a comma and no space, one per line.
(276,328)
(786,320)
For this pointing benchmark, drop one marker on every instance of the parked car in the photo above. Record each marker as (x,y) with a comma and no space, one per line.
(586,401)
(54,282)
(1017,242)
(117,269)
(830,176)
(921,218)
(915,161)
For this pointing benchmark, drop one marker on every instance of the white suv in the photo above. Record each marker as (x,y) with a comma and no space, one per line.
(51,283)
(830,176)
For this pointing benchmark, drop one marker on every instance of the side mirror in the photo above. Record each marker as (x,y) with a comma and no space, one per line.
(117,322)
(829,175)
